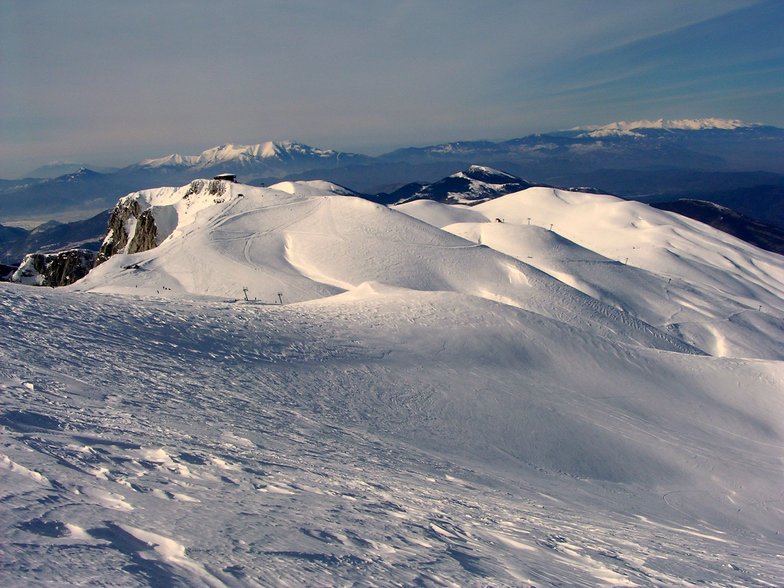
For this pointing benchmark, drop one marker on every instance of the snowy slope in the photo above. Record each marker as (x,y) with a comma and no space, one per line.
(384,436)
(301,241)
(719,293)
(492,403)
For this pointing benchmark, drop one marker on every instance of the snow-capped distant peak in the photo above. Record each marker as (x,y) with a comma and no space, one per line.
(686,124)
(485,173)
(240,154)
(173,160)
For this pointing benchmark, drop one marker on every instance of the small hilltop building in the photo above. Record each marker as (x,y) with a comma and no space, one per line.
(226,177)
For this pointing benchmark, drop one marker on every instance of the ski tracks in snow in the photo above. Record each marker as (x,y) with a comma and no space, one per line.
(194,447)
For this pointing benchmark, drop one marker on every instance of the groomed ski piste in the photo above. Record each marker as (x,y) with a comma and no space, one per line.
(299,387)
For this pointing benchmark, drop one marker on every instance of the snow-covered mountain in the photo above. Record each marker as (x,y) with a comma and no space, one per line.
(620,260)
(686,278)
(396,402)
(473,185)
(701,286)
(451,400)
(262,158)
(637,159)
(632,128)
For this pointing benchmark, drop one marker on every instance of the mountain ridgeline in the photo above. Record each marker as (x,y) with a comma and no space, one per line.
(291,383)
(469,187)
(303,241)
(664,160)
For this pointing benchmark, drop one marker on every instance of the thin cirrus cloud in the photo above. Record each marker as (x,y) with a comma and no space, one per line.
(730,66)
(114,82)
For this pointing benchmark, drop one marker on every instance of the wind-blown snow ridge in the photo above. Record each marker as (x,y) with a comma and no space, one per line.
(685,124)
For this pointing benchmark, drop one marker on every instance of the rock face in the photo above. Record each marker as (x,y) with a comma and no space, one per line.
(125,213)
(140,222)
(144,237)
(6,271)
(54,269)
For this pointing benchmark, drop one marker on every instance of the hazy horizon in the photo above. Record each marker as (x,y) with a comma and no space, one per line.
(109,85)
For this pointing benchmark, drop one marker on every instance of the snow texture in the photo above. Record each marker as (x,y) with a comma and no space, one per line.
(422,409)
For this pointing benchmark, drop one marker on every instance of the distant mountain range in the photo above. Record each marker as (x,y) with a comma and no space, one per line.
(61,168)
(52,236)
(472,186)
(271,158)
(647,160)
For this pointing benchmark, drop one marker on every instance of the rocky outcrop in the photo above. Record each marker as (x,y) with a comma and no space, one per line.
(126,211)
(54,269)
(213,188)
(144,237)
(142,220)
(6,271)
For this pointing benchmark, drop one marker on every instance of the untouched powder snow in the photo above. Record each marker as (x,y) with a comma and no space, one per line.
(487,403)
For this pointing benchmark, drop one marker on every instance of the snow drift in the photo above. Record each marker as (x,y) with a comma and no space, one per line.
(301,241)
(714,291)
(488,403)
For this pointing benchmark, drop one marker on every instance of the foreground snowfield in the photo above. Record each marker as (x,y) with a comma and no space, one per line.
(429,412)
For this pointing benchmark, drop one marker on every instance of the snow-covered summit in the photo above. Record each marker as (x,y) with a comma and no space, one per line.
(476,184)
(624,128)
(313,188)
(242,154)
(482,171)
(305,241)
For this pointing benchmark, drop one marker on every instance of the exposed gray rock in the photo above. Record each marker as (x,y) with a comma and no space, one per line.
(214,187)
(54,269)
(117,234)
(144,237)
(133,227)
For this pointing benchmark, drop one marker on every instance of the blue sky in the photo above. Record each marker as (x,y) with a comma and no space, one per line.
(109,83)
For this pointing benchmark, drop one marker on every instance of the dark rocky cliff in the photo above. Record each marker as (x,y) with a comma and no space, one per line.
(54,269)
